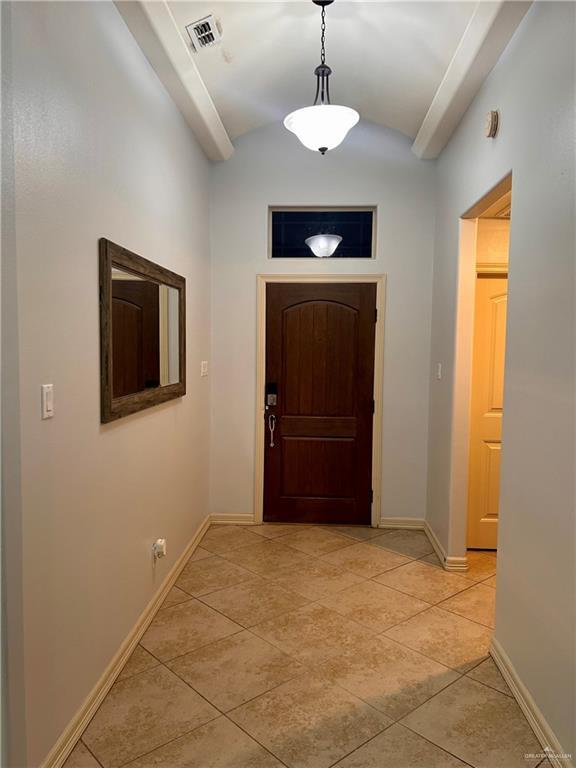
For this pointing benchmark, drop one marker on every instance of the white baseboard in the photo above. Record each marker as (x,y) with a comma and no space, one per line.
(416,523)
(542,730)
(230,519)
(67,741)
(449,563)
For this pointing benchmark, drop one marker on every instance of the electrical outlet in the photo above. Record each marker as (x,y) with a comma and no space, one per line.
(159,549)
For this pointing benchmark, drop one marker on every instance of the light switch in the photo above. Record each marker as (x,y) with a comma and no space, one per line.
(204,368)
(439,371)
(47,401)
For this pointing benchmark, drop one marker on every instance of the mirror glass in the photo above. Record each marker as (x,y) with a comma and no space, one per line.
(145,327)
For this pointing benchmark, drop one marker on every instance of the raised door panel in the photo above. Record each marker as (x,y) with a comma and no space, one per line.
(319,343)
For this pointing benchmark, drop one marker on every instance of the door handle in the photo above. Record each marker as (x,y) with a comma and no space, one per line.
(271,427)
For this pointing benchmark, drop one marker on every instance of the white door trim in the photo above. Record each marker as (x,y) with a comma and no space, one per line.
(262,282)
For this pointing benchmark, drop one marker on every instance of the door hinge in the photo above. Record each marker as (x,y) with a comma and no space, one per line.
(371,496)
(373,406)
(375,315)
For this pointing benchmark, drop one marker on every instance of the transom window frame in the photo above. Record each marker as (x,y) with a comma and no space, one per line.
(324,208)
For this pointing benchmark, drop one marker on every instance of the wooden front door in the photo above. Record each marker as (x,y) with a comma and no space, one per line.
(486,411)
(318,434)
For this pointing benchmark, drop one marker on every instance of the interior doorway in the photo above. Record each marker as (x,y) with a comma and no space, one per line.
(480,372)
(487,395)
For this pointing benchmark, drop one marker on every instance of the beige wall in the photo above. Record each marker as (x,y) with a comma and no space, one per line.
(533,88)
(99,150)
(373,167)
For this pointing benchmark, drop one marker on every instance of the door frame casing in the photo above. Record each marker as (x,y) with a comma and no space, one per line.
(456,556)
(262,280)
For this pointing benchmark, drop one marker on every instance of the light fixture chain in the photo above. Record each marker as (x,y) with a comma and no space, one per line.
(323,37)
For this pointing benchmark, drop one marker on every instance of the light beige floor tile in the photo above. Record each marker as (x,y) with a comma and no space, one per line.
(374,606)
(139,661)
(267,557)
(254,601)
(183,628)
(80,757)
(478,725)
(218,744)
(275,530)
(316,579)
(490,582)
(234,670)
(365,559)
(308,723)
(227,538)
(424,581)
(481,565)
(143,712)
(358,532)
(206,576)
(175,597)
(489,674)
(433,559)
(312,634)
(199,554)
(409,543)
(316,541)
(477,604)
(450,639)
(398,747)
(388,676)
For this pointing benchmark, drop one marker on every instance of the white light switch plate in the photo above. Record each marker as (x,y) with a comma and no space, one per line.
(47,401)
(204,368)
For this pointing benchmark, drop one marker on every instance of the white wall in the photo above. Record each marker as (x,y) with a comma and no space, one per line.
(533,87)
(99,150)
(270,167)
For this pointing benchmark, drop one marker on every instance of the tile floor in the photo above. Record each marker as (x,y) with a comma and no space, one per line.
(311,647)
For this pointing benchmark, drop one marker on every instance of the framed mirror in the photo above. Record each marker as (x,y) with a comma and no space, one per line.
(142,333)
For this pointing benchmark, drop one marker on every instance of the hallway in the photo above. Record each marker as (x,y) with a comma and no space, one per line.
(310,647)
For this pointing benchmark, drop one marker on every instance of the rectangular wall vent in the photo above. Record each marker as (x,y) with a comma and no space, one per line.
(204,33)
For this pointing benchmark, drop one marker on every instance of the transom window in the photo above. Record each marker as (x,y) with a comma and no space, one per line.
(291,227)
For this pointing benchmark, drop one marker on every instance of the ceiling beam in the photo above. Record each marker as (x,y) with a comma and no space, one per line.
(156,32)
(488,33)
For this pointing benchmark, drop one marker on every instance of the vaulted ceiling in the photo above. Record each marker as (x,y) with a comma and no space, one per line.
(388,59)
(409,66)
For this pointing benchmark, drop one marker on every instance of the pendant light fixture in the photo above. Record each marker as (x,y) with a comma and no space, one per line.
(323,246)
(322,126)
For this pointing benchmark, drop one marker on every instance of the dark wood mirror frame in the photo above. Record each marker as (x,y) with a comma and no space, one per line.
(112,408)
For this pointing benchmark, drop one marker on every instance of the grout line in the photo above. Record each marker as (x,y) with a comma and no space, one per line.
(199,647)
(404,725)
(250,736)
(81,740)
(487,685)
(364,743)
(166,743)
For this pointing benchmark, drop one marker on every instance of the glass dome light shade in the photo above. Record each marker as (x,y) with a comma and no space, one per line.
(323,246)
(323,126)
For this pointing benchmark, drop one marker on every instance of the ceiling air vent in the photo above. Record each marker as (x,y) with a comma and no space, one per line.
(204,33)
